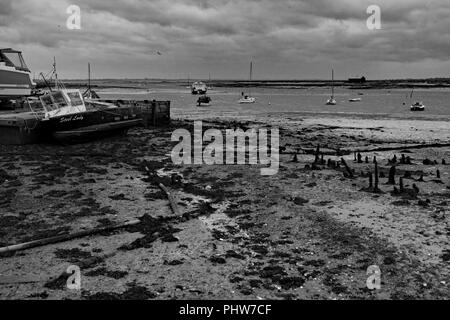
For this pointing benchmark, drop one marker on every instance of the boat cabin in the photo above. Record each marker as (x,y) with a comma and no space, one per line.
(62,102)
(13,58)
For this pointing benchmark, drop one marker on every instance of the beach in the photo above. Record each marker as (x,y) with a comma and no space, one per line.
(309,232)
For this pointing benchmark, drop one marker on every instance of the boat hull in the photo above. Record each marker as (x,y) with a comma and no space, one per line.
(95,131)
(247,100)
(74,124)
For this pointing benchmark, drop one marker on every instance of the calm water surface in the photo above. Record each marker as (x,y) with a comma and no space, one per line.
(291,103)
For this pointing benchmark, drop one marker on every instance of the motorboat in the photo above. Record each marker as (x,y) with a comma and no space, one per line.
(199,87)
(247,99)
(355,99)
(203,101)
(418,106)
(15,77)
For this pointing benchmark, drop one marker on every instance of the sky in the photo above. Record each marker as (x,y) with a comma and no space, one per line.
(285,39)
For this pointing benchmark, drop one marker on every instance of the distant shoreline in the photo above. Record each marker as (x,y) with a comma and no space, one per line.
(282,84)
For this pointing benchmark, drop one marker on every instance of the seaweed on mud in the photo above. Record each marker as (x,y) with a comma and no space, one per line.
(235,255)
(102,271)
(219,235)
(42,231)
(88,207)
(119,197)
(314,263)
(156,195)
(255,283)
(83,259)
(41,295)
(173,262)
(6,196)
(58,283)
(260,249)
(218,260)
(334,284)
(234,211)
(236,279)
(152,229)
(272,272)
(10,221)
(446,255)
(287,283)
(133,292)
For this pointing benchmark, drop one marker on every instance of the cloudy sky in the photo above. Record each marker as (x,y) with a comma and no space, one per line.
(286,39)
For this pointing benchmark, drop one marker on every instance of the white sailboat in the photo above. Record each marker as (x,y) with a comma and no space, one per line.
(248,98)
(332,101)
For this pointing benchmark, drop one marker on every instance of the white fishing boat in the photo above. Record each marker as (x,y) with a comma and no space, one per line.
(332,101)
(15,77)
(248,98)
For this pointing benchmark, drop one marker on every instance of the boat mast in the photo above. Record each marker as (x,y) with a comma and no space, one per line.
(332,83)
(251,71)
(89,76)
(54,72)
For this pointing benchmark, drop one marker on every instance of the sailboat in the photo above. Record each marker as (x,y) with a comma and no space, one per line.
(417,106)
(89,93)
(332,101)
(188,82)
(248,98)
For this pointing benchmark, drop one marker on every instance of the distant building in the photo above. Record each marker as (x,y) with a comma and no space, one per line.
(357,80)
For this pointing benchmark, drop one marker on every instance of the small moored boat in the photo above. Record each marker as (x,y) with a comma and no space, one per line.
(248,98)
(418,106)
(199,88)
(66,118)
(203,101)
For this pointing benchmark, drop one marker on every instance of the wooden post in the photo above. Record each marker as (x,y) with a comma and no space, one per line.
(347,168)
(154,113)
(392,175)
(316,158)
(376,177)
(172,202)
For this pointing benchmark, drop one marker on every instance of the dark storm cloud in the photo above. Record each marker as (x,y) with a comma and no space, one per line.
(223,35)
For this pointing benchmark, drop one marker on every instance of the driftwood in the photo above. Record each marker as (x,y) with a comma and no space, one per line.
(65,237)
(20,279)
(172,202)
